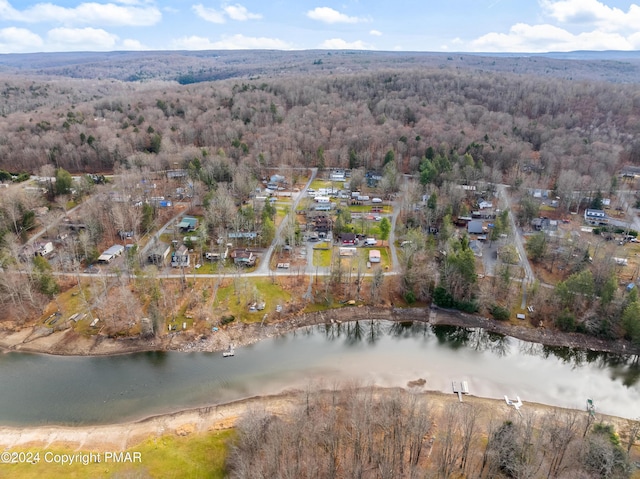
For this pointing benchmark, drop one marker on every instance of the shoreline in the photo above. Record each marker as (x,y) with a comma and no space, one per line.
(203,419)
(69,343)
(208,419)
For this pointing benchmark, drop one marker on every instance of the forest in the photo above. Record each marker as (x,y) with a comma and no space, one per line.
(367,433)
(426,131)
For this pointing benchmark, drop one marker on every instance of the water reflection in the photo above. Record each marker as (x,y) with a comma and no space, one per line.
(42,389)
(452,336)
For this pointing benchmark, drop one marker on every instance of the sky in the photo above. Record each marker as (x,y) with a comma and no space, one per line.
(522,26)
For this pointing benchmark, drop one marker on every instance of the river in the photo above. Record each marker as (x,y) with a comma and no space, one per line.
(39,389)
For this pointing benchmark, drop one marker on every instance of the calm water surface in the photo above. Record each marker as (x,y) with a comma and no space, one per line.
(38,389)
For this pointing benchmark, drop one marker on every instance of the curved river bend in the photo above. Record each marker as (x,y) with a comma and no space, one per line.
(38,389)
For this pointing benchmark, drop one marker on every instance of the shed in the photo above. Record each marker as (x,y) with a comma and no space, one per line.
(374,256)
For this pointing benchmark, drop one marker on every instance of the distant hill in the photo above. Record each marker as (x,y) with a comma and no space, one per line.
(196,66)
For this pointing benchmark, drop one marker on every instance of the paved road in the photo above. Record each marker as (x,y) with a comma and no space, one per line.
(263,267)
(517,240)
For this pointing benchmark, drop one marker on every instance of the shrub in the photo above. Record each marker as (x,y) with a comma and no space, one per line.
(500,313)
(227,319)
(566,322)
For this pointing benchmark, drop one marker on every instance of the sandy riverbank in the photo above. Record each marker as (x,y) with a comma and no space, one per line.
(120,437)
(68,342)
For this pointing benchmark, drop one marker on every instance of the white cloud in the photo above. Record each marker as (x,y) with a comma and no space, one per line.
(131,44)
(544,38)
(18,40)
(209,14)
(234,12)
(233,42)
(593,13)
(375,33)
(329,15)
(340,44)
(240,13)
(89,13)
(62,39)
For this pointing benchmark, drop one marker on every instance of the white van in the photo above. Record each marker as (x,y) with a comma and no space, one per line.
(363,198)
(376,200)
(370,242)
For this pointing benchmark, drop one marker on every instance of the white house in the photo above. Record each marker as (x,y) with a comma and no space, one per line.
(595,217)
(113,252)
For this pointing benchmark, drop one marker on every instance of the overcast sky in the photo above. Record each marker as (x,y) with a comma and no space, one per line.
(408,25)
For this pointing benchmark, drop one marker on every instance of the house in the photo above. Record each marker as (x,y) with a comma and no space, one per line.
(188,223)
(322,224)
(537,224)
(337,175)
(159,254)
(595,217)
(475,227)
(374,256)
(113,252)
(180,257)
(276,179)
(630,171)
(482,204)
(42,249)
(243,257)
(242,235)
(348,238)
(175,174)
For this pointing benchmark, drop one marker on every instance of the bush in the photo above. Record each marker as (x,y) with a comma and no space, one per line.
(566,322)
(442,298)
(227,319)
(500,313)
(410,297)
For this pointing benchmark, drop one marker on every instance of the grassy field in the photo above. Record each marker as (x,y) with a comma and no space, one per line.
(240,292)
(322,257)
(165,457)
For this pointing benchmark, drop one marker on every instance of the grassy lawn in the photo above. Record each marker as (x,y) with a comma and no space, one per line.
(366,227)
(241,291)
(385,261)
(201,455)
(322,257)
(317,184)
(386,209)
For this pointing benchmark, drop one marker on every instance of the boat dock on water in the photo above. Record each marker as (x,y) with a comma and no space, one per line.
(229,352)
(460,388)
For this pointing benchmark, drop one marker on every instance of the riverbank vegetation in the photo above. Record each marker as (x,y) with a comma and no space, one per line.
(367,433)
